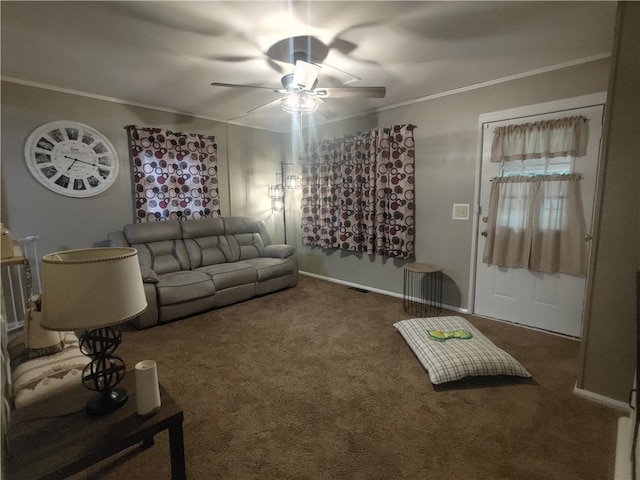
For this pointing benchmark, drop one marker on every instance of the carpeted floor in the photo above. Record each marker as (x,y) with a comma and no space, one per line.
(315,383)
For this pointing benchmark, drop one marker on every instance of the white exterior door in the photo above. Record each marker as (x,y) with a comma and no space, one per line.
(552,302)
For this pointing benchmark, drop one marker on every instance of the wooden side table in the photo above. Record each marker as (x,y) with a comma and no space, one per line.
(55,438)
(422,292)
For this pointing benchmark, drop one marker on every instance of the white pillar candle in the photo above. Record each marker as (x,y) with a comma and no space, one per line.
(147,388)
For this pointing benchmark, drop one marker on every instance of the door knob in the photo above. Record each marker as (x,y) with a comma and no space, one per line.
(484,233)
(588,237)
(485,219)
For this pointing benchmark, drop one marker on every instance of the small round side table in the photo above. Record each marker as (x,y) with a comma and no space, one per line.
(422,293)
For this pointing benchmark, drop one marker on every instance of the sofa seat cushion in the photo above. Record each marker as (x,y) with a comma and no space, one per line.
(227,275)
(268,268)
(179,287)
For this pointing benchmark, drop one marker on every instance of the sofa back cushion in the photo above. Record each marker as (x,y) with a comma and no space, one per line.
(205,242)
(243,235)
(159,245)
(245,245)
(212,241)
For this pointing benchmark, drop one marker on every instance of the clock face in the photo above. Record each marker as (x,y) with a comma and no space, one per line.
(71,159)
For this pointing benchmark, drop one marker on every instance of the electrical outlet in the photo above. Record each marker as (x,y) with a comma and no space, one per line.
(460,211)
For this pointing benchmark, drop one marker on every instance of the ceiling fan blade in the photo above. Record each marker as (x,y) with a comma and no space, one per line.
(354,78)
(325,110)
(351,92)
(275,66)
(305,75)
(265,105)
(233,85)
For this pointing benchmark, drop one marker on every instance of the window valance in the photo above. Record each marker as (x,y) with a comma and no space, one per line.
(546,139)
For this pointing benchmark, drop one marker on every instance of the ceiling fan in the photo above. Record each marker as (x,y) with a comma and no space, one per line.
(301,94)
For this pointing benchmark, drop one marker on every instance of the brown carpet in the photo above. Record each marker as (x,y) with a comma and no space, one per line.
(315,383)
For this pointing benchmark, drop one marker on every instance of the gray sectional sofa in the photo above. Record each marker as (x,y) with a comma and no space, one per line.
(197,265)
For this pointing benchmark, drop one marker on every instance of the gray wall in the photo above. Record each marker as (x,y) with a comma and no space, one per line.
(255,157)
(62,222)
(608,347)
(446,142)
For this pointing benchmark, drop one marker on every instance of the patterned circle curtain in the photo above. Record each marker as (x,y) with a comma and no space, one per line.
(358,192)
(175,175)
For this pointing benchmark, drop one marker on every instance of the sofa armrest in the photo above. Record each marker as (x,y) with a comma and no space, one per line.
(279,251)
(148,275)
(117,239)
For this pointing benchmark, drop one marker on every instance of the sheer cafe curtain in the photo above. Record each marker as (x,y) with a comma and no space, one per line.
(175,175)
(358,192)
(536,222)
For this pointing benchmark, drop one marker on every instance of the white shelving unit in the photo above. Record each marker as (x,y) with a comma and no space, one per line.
(20,279)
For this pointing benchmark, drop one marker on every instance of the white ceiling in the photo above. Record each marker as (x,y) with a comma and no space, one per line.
(166,54)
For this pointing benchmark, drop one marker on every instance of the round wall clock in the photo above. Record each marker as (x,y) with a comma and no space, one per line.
(71,158)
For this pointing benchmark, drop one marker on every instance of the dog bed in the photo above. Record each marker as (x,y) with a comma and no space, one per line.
(459,355)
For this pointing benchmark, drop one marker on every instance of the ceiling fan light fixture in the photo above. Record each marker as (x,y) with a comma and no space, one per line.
(299,103)
(305,75)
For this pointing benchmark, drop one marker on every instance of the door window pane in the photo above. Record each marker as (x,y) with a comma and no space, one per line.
(536,166)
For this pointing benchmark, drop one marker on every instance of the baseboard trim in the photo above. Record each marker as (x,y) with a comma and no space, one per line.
(371,289)
(623,465)
(602,400)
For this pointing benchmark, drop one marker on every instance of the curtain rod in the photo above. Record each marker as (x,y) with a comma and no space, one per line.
(538,177)
(167,131)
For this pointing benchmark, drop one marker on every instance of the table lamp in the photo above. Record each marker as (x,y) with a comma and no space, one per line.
(92,291)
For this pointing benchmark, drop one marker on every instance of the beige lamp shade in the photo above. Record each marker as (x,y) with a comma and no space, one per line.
(91,288)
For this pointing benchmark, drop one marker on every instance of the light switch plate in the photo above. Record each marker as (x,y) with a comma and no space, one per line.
(460,211)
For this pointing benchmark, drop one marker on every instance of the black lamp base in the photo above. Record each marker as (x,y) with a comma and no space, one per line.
(106,402)
(104,371)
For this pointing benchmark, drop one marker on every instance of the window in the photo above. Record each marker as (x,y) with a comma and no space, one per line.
(537,166)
